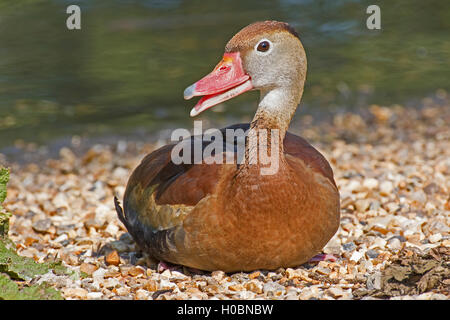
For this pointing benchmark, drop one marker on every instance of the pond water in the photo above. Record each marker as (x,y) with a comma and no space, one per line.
(129,64)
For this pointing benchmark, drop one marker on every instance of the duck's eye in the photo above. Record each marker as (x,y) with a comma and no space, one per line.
(263,46)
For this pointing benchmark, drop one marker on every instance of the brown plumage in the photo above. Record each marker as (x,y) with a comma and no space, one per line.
(230,216)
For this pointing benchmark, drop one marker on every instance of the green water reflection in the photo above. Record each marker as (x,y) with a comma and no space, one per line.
(128,66)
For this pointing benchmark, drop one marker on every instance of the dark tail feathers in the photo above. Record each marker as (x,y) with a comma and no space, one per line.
(119,211)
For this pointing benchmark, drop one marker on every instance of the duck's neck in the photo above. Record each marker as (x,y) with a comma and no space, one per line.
(275,111)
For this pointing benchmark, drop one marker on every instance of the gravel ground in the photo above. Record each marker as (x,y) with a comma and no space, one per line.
(392,167)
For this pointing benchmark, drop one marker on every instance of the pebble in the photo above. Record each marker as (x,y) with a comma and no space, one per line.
(94,295)
(386,188)
(99,274)
(42,225)
(370,183)
(142,294)
(435,237)
(88,268)
(273,287)
(372,254)
(350,246)
(255,286)
(218,275)
(112,258)
(374,281)
(356,256)
(394,244)
(78,293)
(335,292)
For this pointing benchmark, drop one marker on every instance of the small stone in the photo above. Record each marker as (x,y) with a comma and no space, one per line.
(291,296)
(386,188)
(218,275)
(94,295)
(142,294)
(290,273)
(236,287)
(112,229)
(392,207)
(323,270)
(419,197)
(151,285)
(166,285)
(94,223)
(246,295)
(309,293)
(273,287)
(349,246)
(42,226)
(372,254)
(378,243)
(362,205)
(354,186)
(67,155)
(335,292)
(88,268)
(175,275)
(30,240)
(111,283)
(374,281)
(394,244)
(122,291)
(435,237)
(78,293)
(62,238)
(399,237)
(333,246)
(254,286)
(99,274)
(356,256)
(370,183)
(112,258)
(136,271)
(431,188)
(254,275)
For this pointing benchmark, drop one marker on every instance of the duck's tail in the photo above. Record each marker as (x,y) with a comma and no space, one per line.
(120,212)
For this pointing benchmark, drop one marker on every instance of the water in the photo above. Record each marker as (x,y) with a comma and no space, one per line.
(128,66)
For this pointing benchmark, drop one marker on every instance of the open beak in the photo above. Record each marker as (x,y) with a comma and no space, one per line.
(226,81)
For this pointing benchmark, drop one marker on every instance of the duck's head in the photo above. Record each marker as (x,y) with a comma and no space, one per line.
(263,56)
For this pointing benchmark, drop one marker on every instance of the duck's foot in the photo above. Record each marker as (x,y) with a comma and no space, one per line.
(163,266)
(323,257)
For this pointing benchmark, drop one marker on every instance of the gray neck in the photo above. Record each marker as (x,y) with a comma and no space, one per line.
(276,108)
(275,111)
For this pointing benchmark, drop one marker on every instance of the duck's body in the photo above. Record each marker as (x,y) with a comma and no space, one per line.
(230,216)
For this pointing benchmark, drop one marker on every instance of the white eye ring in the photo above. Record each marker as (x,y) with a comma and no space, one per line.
(264,52)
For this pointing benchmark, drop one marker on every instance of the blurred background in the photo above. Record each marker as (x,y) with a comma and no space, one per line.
(126,69)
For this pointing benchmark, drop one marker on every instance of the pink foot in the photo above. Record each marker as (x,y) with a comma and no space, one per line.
(163,266)
(323,257)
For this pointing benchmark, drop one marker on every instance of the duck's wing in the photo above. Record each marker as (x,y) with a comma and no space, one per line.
(299,148)
(160,194)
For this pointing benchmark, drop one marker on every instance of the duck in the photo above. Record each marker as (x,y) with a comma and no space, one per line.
(232,216)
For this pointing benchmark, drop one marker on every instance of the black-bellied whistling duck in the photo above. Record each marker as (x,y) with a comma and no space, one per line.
(231,217)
